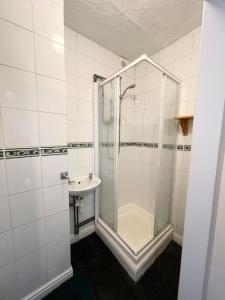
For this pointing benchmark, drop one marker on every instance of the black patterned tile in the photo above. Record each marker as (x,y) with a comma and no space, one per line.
(187,147)
(22,152)
(1,153)
(180,147)
(54,150)
(80,145)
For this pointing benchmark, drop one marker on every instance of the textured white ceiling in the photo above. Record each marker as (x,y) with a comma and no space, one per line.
(133,27)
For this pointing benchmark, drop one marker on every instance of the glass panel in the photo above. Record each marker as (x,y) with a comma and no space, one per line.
(167,153)
(107,153)
(138,158)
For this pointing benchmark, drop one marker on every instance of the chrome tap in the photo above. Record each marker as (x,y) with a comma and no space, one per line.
(70,181)
(90,176)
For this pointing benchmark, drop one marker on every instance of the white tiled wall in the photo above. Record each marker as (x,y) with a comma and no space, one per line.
(34,204)
(182,59)
(83,58)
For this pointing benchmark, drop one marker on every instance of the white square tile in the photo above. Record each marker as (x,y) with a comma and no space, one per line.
(53,129)
(70,61)
(20,128)
(85,111)
(195,61)
(51,95)
(56,199)
(72,131)
(49,58)
(73,163)
(52,166)
(15,295)
(84,89)
(113,60)
(85,157)
(8,279)
(3,181)
(1,132)
(17,88)
(197,39)
(71,85)
(182,68)
(58,257)
(85,171)
(100,69)
(70,38)
(33,283)
(28,238)
(18,12)
(23,174)
(5,219)
(31,266)
(184,46)
(60,3)
(167,55)
(84,65)
(72,109)
(85,132)
(84,45)
(49,20)
(13,52)
(26,207)
(6,248)
(57,226)
(99,53)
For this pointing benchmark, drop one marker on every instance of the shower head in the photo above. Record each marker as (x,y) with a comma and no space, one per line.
(132,86)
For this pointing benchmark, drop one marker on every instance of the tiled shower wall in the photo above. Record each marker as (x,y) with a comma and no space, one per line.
(182,59)
(34,210)
(83,58)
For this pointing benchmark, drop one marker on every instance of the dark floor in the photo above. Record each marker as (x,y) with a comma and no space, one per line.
(110,281)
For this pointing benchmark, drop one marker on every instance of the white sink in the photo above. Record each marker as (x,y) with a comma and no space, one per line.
(82,185)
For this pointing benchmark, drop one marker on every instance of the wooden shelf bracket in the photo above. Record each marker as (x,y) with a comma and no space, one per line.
(184,123)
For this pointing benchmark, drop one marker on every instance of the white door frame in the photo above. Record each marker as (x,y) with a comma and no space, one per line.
(205,153)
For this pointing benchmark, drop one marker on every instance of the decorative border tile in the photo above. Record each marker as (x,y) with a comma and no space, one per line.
(133,144)
(63,150)
(55,150)
(1,153)
(150,145)
(80,145)
(184,147)
(187,147)
(21,152)
(180,147)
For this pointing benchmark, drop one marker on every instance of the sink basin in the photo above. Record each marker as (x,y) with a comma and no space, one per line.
(82,185)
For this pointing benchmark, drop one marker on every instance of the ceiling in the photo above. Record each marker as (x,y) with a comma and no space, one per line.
(133,27)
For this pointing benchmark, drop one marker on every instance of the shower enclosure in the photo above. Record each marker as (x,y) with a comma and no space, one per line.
(137,109)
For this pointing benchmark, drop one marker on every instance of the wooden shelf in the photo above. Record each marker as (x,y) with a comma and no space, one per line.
(184,123)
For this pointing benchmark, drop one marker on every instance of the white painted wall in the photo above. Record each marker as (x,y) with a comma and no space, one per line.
(215,277)
(206,147)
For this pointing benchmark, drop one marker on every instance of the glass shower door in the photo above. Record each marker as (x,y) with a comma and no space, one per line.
(167,153)
(108,152)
